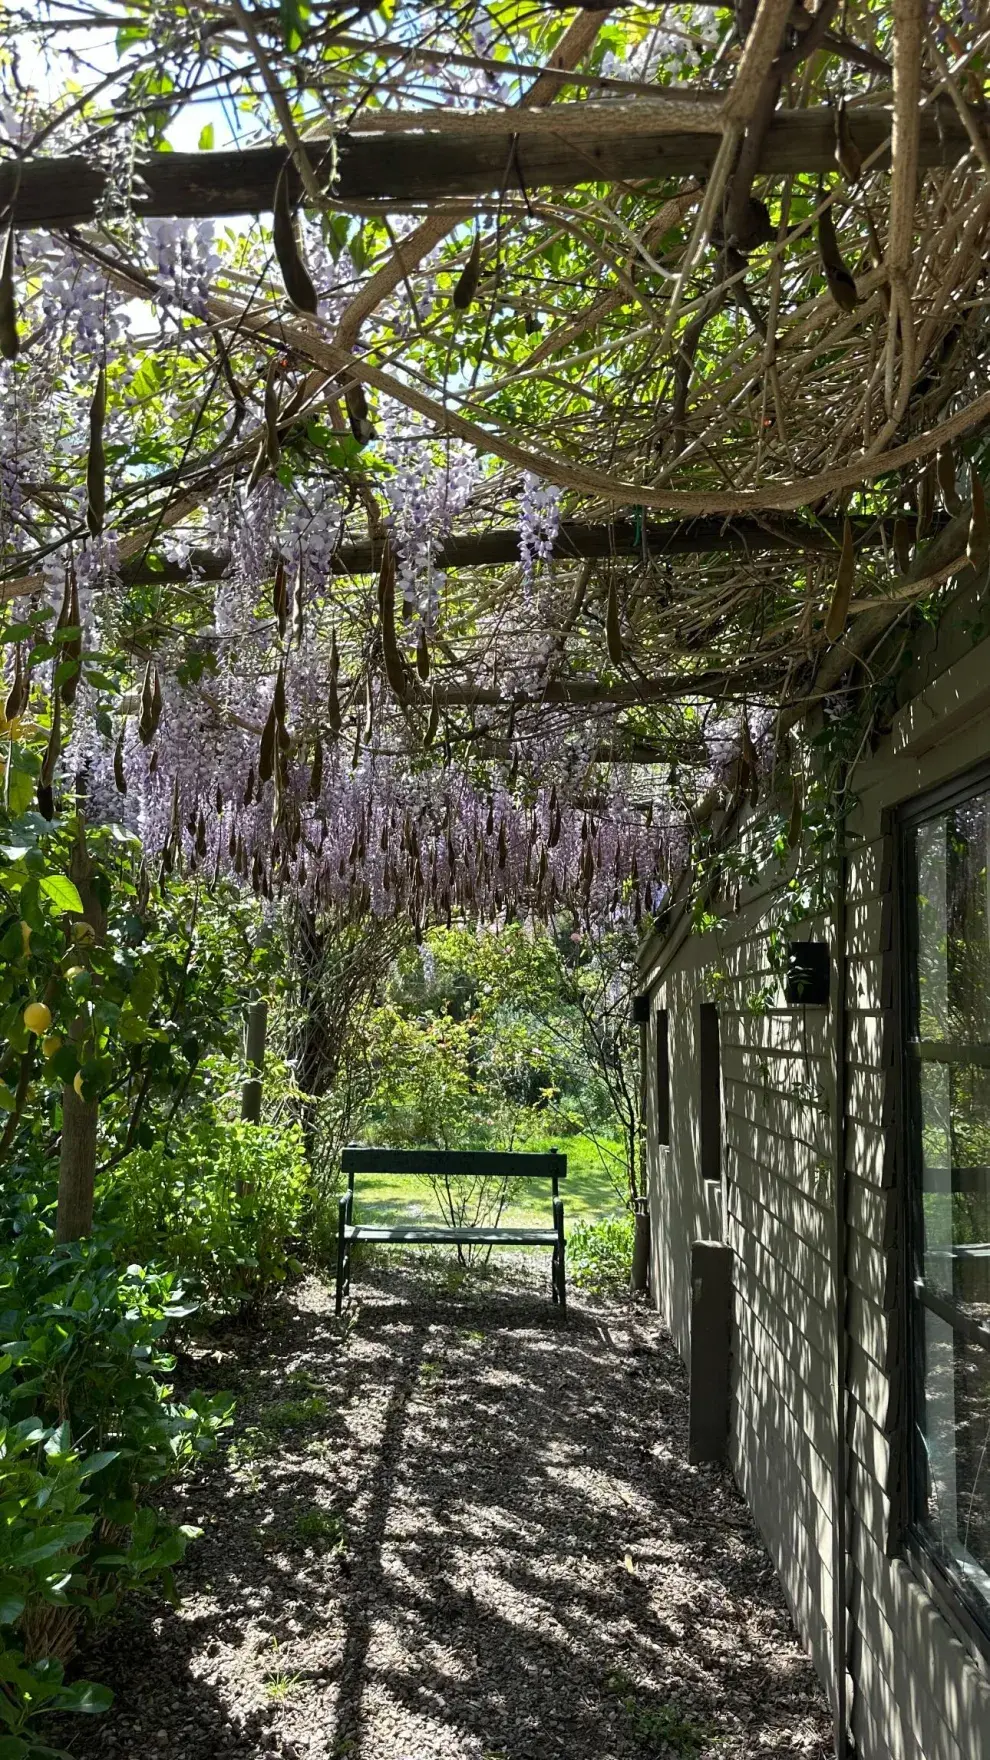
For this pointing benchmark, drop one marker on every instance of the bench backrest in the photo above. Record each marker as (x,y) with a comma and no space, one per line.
(455,1163)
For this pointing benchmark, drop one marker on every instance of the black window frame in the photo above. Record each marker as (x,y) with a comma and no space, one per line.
(710,1093)
(661,1073)
(954,1597)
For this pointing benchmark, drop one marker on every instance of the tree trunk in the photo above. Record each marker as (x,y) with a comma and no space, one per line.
(257,1033)
(77,1156)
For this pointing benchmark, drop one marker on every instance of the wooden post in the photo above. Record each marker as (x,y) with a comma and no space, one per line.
(257,1033)
(80,1118)
(711,1344)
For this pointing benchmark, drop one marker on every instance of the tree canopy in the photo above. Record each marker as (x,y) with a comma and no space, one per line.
(444,443)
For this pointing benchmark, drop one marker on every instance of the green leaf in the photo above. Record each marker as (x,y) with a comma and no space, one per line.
(206,138)
(62,893)
(11,1606)
(86,1696)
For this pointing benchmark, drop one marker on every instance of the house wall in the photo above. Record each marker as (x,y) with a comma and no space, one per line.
(918,1689)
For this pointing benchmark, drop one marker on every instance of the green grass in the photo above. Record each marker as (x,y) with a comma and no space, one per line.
(589,1191)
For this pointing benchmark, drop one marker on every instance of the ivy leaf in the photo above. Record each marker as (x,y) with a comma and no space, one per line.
(62,893)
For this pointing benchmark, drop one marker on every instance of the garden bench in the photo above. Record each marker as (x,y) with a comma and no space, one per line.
(451,1164)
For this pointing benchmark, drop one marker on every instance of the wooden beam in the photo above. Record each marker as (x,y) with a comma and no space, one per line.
(575,540)
(420,162)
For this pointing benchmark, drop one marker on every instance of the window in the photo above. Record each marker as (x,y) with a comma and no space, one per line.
(710,1068)
(663,1077)
(947,1065)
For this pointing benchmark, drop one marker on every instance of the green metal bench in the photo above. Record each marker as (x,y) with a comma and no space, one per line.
(451,1164)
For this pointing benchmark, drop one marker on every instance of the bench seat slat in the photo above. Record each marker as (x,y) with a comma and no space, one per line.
(436,1234)
(456,1163)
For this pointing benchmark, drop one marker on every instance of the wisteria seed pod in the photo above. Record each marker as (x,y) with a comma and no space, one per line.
(146,717)
(470,275)
(17,696)
(295,274)
(362,427)
(903,539)
(613,625)
(9,341)
(96,463)
(838,611)
(53,748)
(119,774)
(422,654)
(266,752)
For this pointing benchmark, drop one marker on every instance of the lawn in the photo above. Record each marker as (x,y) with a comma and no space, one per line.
(590,1190)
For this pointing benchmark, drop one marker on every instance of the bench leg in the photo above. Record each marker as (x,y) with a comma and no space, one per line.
(341,1254)
(559,1259)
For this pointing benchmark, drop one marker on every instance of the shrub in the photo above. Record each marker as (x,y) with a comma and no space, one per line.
(221,1207)
(88,1424)
(599,1254)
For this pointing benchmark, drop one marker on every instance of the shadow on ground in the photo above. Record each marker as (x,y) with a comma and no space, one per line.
(450,1529)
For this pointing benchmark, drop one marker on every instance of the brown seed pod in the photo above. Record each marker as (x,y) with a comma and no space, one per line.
(9,342)
(316,772)
(52,749)
(978,543)
(847,155)
(17,696)
(68,618)
(433,722)
(903,540)
(422,654)
(146,717)
(280,597)
(156,699)
(365,733)
(278,698)
(119,774)
(945,472)
(266,752)
(358,414)
(249,786)
(613,626)
(201,843)
(395,667)
(841,284)
(295,274)
(273,445)
(838,610)
(96,463)
(470,275)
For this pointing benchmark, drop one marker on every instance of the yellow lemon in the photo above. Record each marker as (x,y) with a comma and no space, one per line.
(52,1044)
(77,1084)
(83,932)
(37,1017)
(75,972)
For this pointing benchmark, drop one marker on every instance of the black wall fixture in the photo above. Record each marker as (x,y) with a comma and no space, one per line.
(809,974)
(641,1010)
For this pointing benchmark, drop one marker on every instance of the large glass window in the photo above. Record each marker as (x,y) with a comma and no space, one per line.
(947,916)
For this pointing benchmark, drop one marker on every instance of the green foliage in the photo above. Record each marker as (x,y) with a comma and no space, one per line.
(599,1255)
(221,1206)
(497,1041)
(88,1425)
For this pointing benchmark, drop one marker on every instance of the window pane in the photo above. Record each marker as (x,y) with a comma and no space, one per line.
(948,1030)
(956,1443)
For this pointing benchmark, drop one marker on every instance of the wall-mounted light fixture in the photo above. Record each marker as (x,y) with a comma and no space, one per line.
(809,974)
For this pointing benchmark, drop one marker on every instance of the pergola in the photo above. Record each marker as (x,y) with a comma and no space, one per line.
(523,396)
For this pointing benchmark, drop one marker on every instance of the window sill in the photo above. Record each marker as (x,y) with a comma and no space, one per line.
(936,1583)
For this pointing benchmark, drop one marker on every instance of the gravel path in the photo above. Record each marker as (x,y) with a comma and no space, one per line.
(449,1530)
